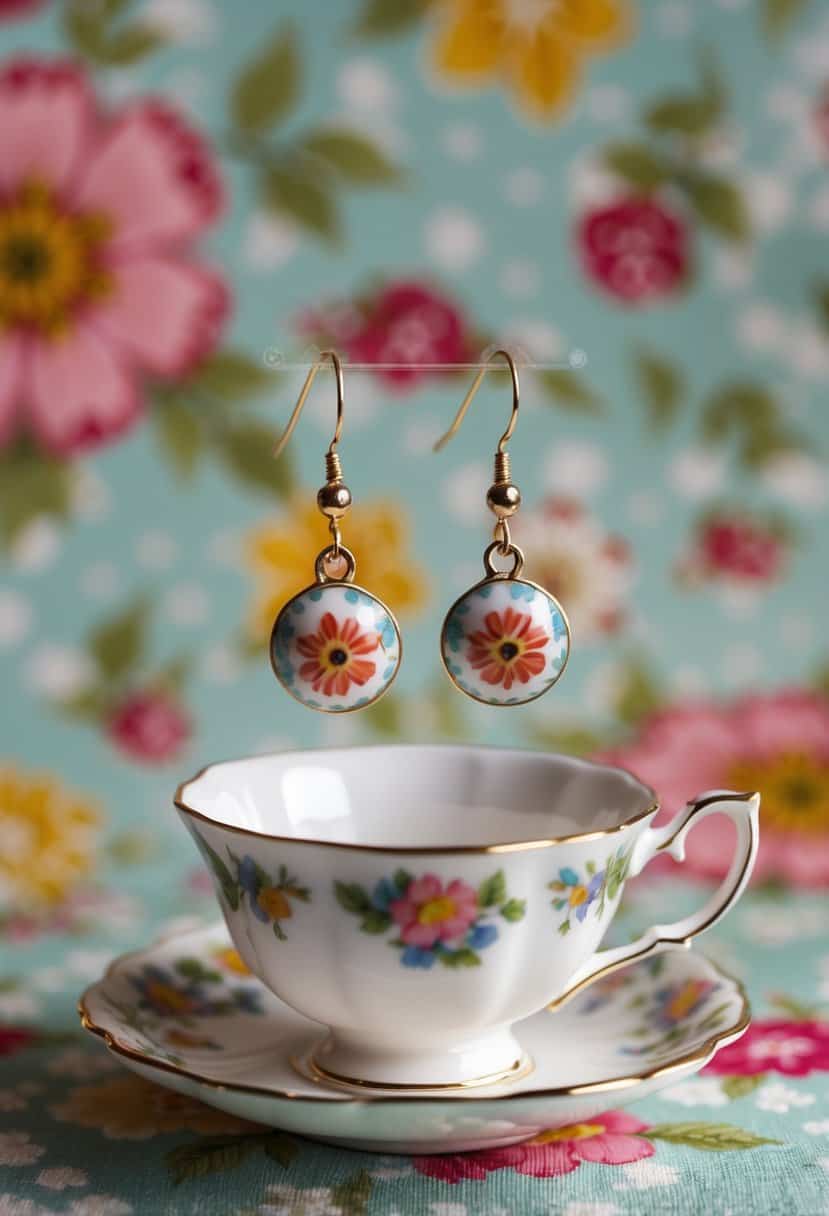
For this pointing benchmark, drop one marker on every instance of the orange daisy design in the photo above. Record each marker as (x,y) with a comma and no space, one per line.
(508,649)
(334,656)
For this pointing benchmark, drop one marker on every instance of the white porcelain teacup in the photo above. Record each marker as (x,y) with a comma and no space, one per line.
(418,901)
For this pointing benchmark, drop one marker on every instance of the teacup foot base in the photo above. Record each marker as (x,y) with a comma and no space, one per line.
(491,1061)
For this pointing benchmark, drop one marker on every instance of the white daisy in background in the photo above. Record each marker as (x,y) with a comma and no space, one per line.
(57,672)
(454,239)
(269,242)
(15,618)
(59,1177)
(700,1091)
(36,548)
(780,1099)
(642,1175)
(589,570)
(189,21)
(16,1148)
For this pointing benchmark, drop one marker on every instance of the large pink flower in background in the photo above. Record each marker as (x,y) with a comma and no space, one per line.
(635,249)
(608,1139)
(96,285)
(406,321)
(430,913)
(776,743)
(776,1045)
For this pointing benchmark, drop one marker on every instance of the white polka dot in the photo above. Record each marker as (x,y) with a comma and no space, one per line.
(100,581)
(589,183)
(742,664)
(269,242)
(674,19)
(520,279)
(697,473)
(464,492)
(539,339)
(91,496)
(58,671)
(576,468)
(462,141)
(645,508)
(156,550)
(59,1177)
(189,21)
(221,665)
(523,187)
(366,84)
(454,238)
(224,548)
(798,479)
(769,201)
(608,103)
(37,546)
(15,618)
(761,326)
(186,604)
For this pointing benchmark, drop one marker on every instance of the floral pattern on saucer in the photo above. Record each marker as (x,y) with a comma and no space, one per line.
(440,922)
(335,647)
(269,897)
(505,641)
(578,893)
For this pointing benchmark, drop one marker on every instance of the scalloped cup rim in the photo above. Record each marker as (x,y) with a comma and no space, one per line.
(648,795)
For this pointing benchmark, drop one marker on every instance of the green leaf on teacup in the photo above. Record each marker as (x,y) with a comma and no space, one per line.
(402,879)
(465,957)
(194,969)
(375,921)
(229,885)
(492,890)
(564,927)
(352,897)
(514,909)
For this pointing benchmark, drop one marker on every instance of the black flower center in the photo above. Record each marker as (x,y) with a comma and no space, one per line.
(508,651)
(338,657)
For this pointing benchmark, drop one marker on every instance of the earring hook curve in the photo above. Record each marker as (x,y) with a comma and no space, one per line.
(281,443)
(472,390)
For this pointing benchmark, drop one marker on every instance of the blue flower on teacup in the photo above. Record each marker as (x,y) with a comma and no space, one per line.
(577,894)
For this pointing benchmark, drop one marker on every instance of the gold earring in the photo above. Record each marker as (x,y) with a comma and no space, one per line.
(506,640)
(334,647)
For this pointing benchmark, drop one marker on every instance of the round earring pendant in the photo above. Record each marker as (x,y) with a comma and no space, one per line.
(334,647)
(506,641)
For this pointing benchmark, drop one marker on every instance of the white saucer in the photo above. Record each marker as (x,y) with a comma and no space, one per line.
(182,1013)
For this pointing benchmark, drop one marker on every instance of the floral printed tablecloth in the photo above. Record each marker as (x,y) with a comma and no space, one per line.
(193,194)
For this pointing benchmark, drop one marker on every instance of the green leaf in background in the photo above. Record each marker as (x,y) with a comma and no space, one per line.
(87,25)
(778,15)
(575,740)
(353,157)
(718,203)
(296,191)
(118,645)
(712,1137)
(741,1087)
(570,391)
(350,1198)
(638,695)
(179,433)
(245,447)
(382,18)
(129,45)
(280,1148)
(229,374)
(193,969)
(637,164)
(90,704)
(750,413)
(173,675)
(217,1154)
(267,89)
(31,484)
(493,890)
(661,384)
(822,301)
(385,717)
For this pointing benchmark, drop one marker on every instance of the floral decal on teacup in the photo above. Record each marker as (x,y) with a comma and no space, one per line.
(578,893)
(269,898)
(440,922)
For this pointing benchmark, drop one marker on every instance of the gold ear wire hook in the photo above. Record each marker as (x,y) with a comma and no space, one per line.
(467,401)
(331,455)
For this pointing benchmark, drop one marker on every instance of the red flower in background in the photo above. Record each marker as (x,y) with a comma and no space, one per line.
(821,117)
(405,322)
(636,249)
(96,282)
(776,1045)
(149,726)
(11,10)
(777,743)
(14,1039)
(737,547)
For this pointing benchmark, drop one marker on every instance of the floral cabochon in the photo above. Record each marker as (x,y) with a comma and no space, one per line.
(505,641)
(335,647)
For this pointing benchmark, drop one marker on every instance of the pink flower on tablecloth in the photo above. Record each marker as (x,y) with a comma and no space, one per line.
(430,912)
(608,1139)
(12,10)
(777,743)
(635,249)
(97,286)
(407,321)
(735,547)
(820,117)
(776,1045)
(149,726)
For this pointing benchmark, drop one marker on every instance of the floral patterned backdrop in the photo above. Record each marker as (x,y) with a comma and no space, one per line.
(194,194)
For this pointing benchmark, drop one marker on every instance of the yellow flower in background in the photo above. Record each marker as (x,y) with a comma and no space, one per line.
(49,834)
(130,1108)
(537,48)
(281,558)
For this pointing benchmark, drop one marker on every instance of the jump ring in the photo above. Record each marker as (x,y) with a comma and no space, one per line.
(513,551)
(331,554)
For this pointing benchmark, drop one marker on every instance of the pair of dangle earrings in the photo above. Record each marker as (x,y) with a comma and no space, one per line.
(336,647)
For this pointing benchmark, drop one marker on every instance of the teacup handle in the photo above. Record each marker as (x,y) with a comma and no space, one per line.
(743,809)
